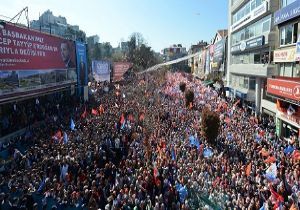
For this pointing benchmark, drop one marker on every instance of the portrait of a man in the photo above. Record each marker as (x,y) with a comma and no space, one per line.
(66,55)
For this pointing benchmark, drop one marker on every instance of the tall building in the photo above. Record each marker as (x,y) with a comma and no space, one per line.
(195,62)
(56,25)
(251,41)
(284,87)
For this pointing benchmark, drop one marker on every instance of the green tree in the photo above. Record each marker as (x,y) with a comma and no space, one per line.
(210,125)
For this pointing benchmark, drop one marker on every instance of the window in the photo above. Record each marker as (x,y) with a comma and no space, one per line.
(288,34)
(252,83)
(261,27)
(284,3)
(266,26)
(257,59)
(246,82)
(289,70)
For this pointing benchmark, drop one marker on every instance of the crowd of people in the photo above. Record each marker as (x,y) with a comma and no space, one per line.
(138,146)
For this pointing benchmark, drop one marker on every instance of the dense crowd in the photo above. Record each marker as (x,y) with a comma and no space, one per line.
(138,146)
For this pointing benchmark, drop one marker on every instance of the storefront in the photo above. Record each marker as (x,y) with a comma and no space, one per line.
(287,92)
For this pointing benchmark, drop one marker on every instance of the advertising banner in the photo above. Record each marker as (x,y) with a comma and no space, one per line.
(30,60)
(218,55)
(286,55)
(286,13)
(24,49)
(207,62)
(119,70)
(249,44)
(81,64)
(101,70)
(286,89)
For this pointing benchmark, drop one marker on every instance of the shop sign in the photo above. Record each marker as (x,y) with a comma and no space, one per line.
(286,55)
(284,88)
(286,13)
(251,16)
(251,43)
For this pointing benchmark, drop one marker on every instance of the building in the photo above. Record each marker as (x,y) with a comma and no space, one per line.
(174,52)
(252,39)
(196,62)
(57,25)
(92,40)
(284,87)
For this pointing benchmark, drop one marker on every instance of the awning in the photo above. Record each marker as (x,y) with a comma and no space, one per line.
(240,94)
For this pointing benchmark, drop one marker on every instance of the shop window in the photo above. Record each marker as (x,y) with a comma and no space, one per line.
(296,71)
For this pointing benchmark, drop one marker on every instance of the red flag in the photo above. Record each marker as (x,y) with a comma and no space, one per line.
(276,195)
(83,115)
(101,109)
(122,119)
(296,155)
(271,159)
(142,116)
(94,112)
(131,118)
(248,169)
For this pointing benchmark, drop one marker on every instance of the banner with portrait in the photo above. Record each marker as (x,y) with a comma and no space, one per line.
(81,64)
(32,60)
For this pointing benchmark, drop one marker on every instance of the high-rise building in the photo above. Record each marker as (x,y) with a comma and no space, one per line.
(251,41)
(56,25)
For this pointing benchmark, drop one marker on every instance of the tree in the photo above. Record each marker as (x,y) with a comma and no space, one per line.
(189,97)
(210,125)
(182,86)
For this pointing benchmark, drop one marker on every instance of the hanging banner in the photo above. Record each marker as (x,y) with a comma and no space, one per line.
(101,70)
(119,69)
(81,64)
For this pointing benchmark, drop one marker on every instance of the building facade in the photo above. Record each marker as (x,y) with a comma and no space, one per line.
(196,63)
(284,87)
(252,39)
(56,25)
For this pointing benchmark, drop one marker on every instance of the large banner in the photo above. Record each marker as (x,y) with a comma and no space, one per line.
(30,60)
(23,49)
(101,70)
(120,68)
(218,55)
(81,64)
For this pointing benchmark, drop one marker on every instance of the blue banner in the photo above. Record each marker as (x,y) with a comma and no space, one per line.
(81,64)
(287,13)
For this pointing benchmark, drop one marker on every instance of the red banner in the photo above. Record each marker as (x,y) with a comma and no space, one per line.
(284,88)
(24,49)
(119,70)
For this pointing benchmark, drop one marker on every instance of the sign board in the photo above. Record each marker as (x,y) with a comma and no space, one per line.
(31,60)
(249,44)
(285,55)
(286,89)
(287,13)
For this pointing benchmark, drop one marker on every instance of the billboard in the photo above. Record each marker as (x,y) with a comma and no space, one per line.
(119,70)
(31,60)
(24,49)
(81,64)
(101,70)
(286,89)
